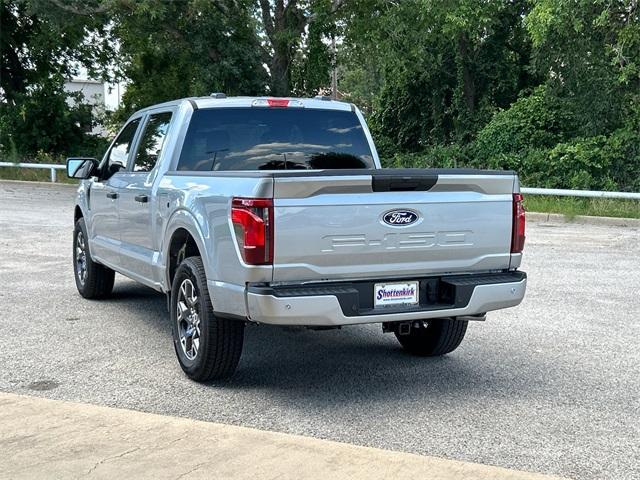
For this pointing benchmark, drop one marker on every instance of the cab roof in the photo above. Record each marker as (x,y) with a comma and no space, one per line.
(219,101)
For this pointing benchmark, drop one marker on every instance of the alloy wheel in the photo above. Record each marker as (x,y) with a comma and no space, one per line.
(81,258)
(188,318)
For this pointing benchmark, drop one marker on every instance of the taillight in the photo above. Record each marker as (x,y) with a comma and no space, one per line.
(517,232)
(252,220)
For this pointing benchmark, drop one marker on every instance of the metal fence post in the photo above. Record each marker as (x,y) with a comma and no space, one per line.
(53,175)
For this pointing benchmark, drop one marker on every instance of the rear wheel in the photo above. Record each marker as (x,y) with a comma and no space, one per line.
(208,347)
(434,337)
(92,279)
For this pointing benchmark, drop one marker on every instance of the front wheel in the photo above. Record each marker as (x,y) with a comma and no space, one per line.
(208,347)
(434,337)
(92,279)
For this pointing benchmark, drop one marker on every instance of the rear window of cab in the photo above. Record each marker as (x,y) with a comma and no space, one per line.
(223,139)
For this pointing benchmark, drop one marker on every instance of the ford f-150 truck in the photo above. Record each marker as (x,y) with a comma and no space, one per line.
(277,211)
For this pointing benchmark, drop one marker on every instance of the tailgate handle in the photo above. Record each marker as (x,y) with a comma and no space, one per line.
(399,183)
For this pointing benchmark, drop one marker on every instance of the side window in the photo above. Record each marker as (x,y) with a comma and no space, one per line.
(151,142)
(117,159)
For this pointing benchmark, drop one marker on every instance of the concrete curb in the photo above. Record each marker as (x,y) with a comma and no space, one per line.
(43,439)
(583,220)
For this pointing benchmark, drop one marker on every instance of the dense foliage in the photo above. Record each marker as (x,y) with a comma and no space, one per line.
(40,46)
(171,50)
(550,88)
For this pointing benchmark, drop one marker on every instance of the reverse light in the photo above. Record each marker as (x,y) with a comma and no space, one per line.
(252,220)
(518,225)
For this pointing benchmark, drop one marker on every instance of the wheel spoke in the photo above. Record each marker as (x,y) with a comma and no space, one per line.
(193,301)
(196,325)
(191,295)
(182,310)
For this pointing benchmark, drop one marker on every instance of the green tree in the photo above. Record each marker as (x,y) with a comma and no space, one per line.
(43,43)
(41,39)
(589,51)
(580,128)
(42,121)
(170,50)
(445,66)
(297,51)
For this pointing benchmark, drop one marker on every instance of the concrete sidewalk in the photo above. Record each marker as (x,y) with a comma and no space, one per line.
(44,439)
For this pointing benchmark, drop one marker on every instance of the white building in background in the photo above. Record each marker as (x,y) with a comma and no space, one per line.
(100,95)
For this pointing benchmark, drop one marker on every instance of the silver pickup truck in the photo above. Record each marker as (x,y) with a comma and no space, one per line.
(277,211)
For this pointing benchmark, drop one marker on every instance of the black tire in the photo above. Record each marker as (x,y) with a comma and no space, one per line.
(439,337)
(95,280)
(219,340)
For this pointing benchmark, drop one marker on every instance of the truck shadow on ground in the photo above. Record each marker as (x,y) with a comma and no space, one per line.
(353,363)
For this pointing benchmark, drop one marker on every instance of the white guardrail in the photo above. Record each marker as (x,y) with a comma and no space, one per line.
(52,167)
(529,191)
(580,193)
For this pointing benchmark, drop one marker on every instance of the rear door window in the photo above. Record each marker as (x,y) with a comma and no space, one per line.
(151,142)
(224,139)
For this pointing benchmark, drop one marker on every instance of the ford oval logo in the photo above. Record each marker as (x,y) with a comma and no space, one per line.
(400,218)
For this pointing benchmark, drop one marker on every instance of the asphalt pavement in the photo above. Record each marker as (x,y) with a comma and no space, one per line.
(551,386)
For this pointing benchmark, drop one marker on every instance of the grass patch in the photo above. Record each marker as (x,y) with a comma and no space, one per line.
(573,206)
(34,175)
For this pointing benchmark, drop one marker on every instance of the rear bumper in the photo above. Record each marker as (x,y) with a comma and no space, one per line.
(335,304)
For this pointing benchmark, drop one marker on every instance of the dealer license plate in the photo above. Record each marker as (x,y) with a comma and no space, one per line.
(386,294)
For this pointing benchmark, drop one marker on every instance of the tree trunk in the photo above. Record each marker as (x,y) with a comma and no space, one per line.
(284,26)
(280,72)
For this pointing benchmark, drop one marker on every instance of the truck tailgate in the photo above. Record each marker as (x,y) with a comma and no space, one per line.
(391,224)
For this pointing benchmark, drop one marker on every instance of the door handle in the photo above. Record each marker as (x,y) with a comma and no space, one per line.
(112,195)
(142,198)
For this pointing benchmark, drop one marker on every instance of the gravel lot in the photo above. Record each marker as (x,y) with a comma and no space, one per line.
(551,386)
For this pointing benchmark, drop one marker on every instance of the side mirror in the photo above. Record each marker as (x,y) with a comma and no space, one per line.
(81,168)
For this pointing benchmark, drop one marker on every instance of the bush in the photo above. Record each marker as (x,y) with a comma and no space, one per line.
(439,156)
(532,123)
(623,149)
(583,164)
(536,138)
(593,163)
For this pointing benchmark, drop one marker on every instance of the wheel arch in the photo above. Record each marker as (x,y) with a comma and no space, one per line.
(184,239)
(77,214)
